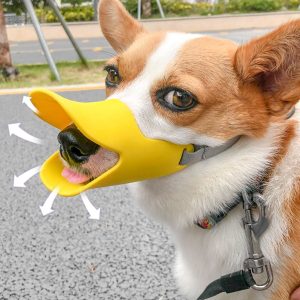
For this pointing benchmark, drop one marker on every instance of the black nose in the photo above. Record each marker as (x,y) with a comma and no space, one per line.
(74,146)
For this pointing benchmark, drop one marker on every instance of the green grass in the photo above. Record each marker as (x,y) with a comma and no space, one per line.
(70,72)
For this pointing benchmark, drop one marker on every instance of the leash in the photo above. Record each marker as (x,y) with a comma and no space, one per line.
(256,263)
(253,203)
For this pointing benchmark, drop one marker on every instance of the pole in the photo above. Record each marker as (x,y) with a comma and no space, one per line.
(161,11)
(41,37)
(95,4)
(67,30)
(139,9)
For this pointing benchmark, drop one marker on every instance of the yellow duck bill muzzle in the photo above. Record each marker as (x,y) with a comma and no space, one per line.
(111,125)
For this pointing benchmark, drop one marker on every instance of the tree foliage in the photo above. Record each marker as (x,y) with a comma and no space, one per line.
(73,2)
(17,6)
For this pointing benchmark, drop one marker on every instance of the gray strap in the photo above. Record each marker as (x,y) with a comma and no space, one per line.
(205,152)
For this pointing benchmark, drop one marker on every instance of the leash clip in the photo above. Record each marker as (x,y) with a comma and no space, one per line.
(255,224)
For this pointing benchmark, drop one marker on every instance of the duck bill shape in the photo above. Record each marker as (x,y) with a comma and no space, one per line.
(111,125)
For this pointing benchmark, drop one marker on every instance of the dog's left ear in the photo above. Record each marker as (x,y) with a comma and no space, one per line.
(118,26)
(272,62)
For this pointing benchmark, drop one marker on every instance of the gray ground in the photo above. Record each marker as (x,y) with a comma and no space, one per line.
(65,255)
(97,48)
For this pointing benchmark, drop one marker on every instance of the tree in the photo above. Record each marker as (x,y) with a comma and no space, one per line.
(17,6)
(5,57)
(146,8)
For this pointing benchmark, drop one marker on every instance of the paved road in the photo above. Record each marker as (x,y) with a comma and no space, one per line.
(97,48)
(66,256)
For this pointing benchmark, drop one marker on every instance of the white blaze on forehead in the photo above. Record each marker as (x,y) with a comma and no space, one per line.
(137,95)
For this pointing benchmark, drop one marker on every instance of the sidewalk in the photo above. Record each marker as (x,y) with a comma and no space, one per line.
(193,24)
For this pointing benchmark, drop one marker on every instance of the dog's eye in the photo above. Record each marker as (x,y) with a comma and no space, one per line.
(176,99)
(113,78)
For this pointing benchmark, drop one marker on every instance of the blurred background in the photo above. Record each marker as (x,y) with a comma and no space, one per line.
(23,59)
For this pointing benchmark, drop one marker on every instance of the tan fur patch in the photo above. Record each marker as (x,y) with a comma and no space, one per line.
(117,25)
(132,61)
(224,109)
(273,63)
(288,277)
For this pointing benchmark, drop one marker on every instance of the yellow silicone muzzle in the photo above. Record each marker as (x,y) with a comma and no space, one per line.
(112,125)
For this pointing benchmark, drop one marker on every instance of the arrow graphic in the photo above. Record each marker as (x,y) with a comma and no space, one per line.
(27,101)
(94,213)
(19,181)
(47,207)
(19,132)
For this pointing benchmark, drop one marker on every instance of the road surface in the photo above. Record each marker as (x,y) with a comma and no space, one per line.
(66,256)
(96,48)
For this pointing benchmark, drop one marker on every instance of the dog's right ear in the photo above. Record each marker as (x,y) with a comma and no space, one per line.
(118,26)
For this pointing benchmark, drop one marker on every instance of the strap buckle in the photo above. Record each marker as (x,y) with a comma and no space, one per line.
(254,228)
(193,157)
(259,266)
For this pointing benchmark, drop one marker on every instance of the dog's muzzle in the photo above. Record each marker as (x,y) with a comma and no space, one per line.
(109,124)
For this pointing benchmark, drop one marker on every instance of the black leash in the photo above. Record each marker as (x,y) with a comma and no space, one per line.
(256,263)
(231,283)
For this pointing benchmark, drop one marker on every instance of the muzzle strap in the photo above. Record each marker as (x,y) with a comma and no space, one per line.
(205,152)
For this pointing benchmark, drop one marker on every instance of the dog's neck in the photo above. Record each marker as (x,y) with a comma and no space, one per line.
(205,188)
(208,186)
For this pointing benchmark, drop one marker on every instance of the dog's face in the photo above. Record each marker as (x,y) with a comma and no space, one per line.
(190,89)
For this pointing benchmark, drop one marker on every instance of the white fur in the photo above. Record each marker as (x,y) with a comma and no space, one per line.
(208,186)
(203,256)
(137,96)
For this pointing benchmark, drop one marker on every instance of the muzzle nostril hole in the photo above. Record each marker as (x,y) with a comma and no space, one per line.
(76,151)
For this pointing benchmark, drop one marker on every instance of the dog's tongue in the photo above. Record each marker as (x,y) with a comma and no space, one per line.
(73,176)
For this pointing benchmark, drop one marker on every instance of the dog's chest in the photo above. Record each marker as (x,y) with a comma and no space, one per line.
(203,256)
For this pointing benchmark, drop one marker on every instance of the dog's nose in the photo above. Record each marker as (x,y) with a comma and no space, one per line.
(74,146)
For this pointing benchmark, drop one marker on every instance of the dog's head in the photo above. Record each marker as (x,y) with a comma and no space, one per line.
(189,88)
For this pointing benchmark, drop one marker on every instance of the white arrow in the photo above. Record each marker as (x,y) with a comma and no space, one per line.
(47,207)
(19,132)
(27,101)
(19,181)
(94,213)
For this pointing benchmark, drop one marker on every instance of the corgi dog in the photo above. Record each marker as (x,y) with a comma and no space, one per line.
(195,89)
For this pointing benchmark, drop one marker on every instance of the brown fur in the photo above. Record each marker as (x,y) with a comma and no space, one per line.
(120,37)
(288,277)
(273,63)
(224,111)
(132,61)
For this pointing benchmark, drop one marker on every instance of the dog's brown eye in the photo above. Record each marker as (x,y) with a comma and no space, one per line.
(176,99)
(113,77)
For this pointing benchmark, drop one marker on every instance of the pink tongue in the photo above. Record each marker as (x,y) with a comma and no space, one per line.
(73,176)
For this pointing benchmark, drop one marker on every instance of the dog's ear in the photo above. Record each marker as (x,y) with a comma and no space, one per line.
(272,62)
(118,27)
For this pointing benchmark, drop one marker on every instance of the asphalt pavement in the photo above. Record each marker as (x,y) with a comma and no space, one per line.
(98,48)
(66,256)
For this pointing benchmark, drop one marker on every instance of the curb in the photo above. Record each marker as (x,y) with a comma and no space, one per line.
(59,88)
(188,24)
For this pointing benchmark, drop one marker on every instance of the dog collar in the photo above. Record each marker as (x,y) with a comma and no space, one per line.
(202,152)
(256,263)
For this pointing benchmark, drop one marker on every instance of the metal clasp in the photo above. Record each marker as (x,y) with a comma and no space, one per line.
(254,228)
(192,157)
